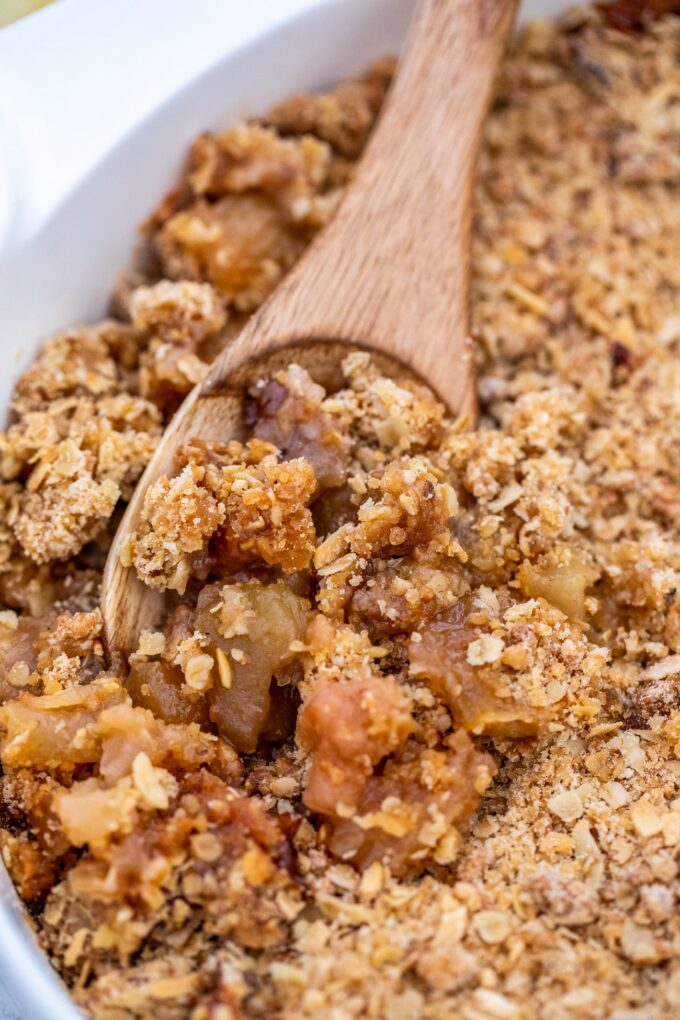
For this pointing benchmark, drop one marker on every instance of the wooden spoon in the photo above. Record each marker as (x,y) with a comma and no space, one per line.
(389,274)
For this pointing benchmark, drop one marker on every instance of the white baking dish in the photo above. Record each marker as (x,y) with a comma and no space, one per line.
(98,101)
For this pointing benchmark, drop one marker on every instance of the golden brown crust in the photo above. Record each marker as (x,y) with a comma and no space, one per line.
(433,606)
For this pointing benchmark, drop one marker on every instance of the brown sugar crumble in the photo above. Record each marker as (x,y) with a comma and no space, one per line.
(408,742)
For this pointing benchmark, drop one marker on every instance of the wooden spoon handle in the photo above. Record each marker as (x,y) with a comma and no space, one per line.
(391,270)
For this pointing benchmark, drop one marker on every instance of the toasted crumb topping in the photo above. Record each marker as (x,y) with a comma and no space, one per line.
(406,744)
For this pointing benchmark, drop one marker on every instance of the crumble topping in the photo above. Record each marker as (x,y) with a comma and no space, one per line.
(407,743)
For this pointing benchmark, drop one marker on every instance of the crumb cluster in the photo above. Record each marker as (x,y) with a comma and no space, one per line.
(408,742)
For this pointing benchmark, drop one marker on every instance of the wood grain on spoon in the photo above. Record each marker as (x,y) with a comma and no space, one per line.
(390,272)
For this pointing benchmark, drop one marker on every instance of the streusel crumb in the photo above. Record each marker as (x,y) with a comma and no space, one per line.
(407,741)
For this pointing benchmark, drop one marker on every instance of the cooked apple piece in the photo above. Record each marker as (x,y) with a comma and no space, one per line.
(483,698)
(251,627)
(416,809)
(18,635)
(386,796)
(562,578)
(56,730)
(160,687)
(287,411)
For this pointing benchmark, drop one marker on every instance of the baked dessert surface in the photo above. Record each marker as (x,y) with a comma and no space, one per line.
(407,744)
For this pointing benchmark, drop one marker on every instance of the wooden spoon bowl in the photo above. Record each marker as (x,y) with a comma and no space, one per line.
(389,274)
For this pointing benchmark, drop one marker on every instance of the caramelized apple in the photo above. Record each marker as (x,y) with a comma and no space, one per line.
(483,698)
(251,627)
(561,577)
(416,807)
(18,635)
(385,796)
(287,412)
(160,687)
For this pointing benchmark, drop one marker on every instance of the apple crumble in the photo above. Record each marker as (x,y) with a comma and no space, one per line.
(407,743)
